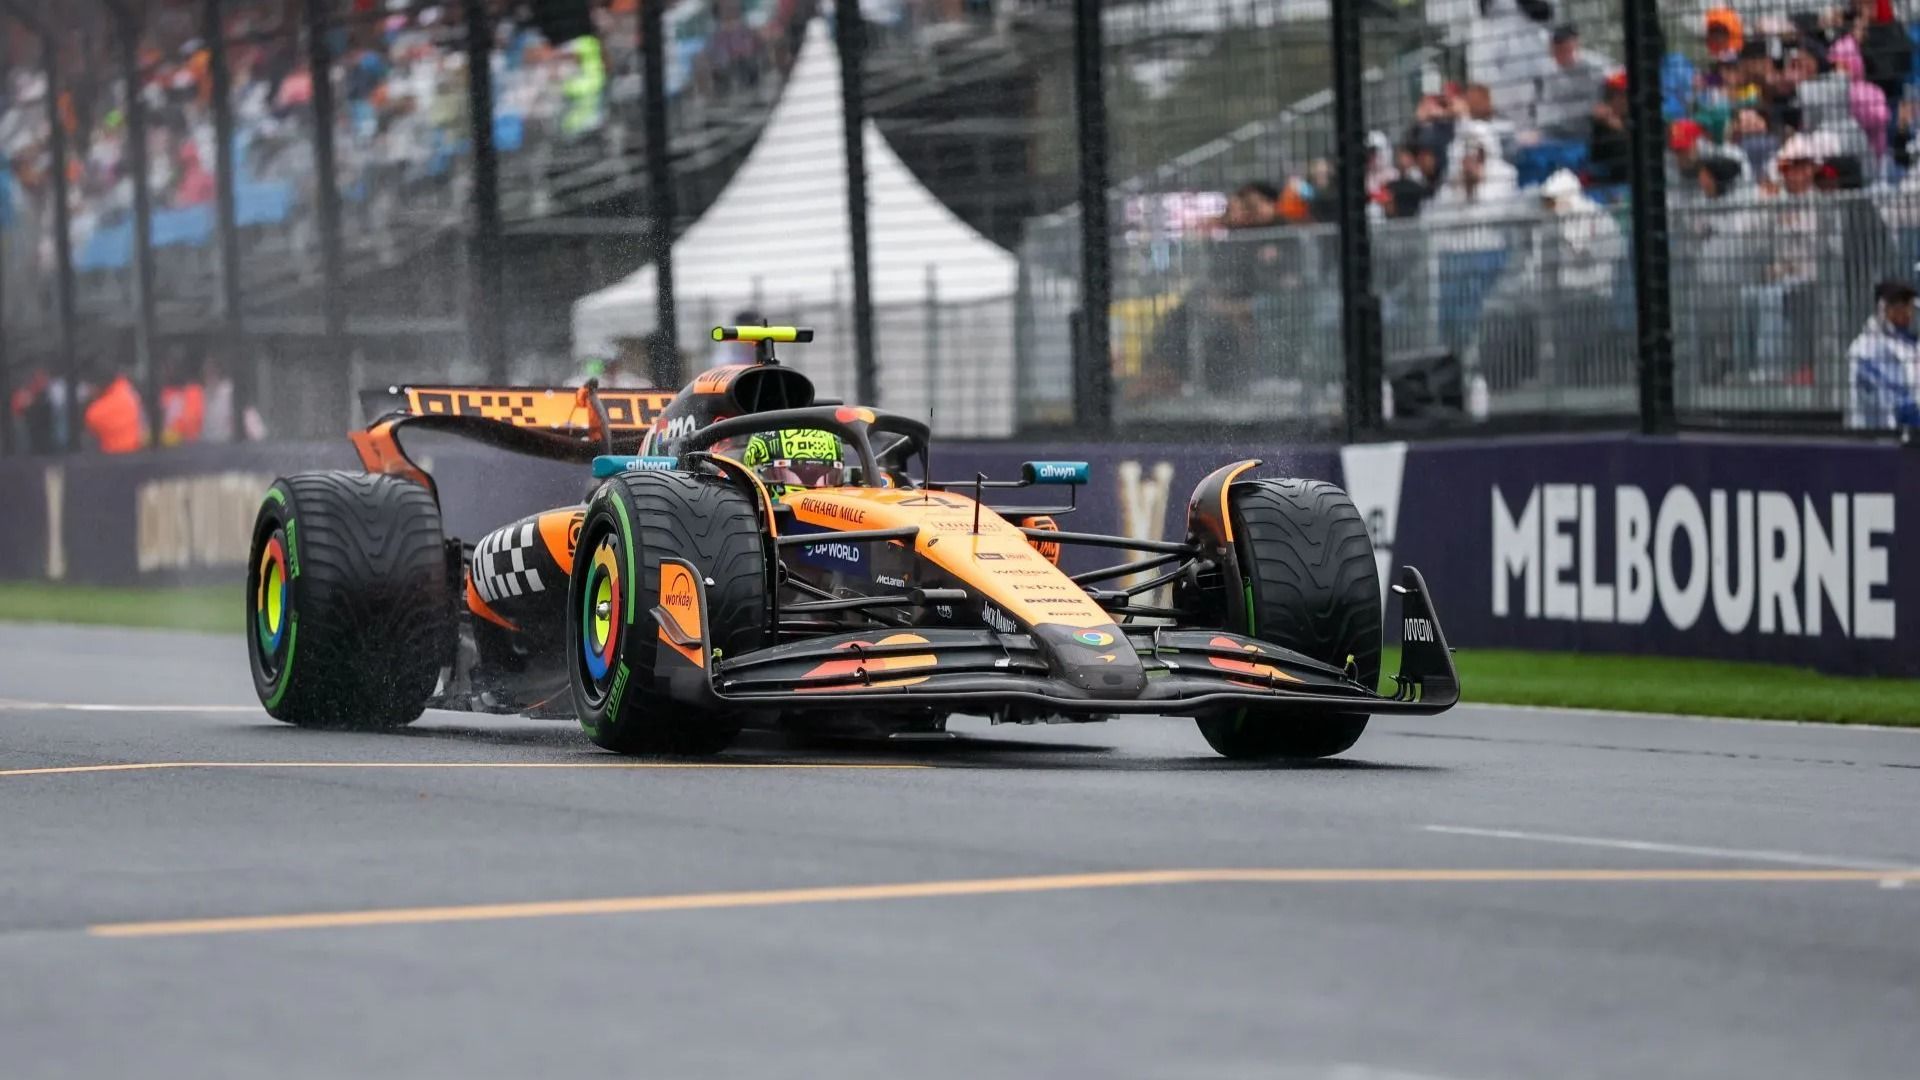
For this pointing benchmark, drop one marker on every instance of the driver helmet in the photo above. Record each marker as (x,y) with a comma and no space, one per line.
(796,459)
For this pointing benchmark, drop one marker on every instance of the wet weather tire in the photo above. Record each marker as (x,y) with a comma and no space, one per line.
(633,522)
(349,617)
(1311,585)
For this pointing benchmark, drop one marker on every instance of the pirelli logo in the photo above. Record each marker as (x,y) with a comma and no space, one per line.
(628,410)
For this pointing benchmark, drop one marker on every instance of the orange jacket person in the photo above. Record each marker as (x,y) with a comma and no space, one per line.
(183,409)
(116,418)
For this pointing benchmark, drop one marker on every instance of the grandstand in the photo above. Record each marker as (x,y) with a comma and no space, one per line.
(1787,180)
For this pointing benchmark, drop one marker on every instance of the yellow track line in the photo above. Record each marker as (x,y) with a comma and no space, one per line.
(975,887)
(140,766)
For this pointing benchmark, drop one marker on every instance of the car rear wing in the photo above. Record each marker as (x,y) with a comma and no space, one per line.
(548,408)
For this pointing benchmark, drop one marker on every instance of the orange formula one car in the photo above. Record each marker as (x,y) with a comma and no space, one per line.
(749,556)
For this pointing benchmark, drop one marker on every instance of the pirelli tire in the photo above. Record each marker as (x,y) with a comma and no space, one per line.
(1310,585)
(349,608)
(633,522)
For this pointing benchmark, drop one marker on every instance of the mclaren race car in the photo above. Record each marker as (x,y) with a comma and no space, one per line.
(745,555)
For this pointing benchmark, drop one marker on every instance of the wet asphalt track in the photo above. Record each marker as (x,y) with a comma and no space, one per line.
(1771,940)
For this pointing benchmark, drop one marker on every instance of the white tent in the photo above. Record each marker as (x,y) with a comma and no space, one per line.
(776,242)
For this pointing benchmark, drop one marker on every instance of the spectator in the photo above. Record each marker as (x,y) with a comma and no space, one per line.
(1382,166)
(1826,102)
(1470,238)
(1749,84)
(1887,51)
(1295,204)
(1476,110)
(1791,230)
(196,181)
(1754,141)
(217,427)
(1504,48)
(1687,147)
(1884,364)
(1607,148)
(1713,254)
(1483,180)
(1404,197)
(1434,122)
(1563,109)
(1865,101)
(1430,164)
(1582,244)
(35,413)
(1725,36)
(116,418)
(183,404)
(1717,177)
(1326,198)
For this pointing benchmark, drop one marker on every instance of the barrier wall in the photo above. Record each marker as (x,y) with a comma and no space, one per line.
(1767,550)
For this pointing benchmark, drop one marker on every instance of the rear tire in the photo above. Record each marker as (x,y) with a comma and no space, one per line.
(348,612)
(637,519)
(1311,585)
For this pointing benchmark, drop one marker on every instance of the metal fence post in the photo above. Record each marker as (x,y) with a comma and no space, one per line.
(333,306)
(1360,331)
(128,27)
(62,244)
(239,368)
(486,292)
(660,208)
(6,363)
(850,32)
(1652,283)
(1094,358)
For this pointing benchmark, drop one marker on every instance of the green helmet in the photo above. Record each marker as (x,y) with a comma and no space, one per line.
(796,459)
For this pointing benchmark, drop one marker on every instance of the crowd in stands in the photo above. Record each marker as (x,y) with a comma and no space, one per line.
(400,79)
(196,404)
(1791,141)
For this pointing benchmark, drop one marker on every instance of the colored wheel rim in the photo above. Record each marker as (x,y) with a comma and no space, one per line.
(600,615)
(272,604)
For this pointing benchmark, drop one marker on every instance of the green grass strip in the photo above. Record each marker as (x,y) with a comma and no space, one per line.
(1671,685)
(216,608)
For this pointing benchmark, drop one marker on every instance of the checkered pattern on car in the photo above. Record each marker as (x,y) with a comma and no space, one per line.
(500,563)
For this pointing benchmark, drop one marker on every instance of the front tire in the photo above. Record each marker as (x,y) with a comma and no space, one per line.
(348,613)
(633,522)
(1311,585)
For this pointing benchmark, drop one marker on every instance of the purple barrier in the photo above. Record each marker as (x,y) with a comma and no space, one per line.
(1776,550)
(1740,549)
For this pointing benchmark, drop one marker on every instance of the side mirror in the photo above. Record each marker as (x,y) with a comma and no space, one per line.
(1055,472)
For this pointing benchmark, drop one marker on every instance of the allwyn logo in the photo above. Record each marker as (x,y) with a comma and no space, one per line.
(1417,630)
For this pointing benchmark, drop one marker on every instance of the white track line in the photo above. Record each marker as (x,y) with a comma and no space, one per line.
(1789,858)
(63,706)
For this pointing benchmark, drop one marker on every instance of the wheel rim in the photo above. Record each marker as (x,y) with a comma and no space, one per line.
(601,618)
(272,605)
